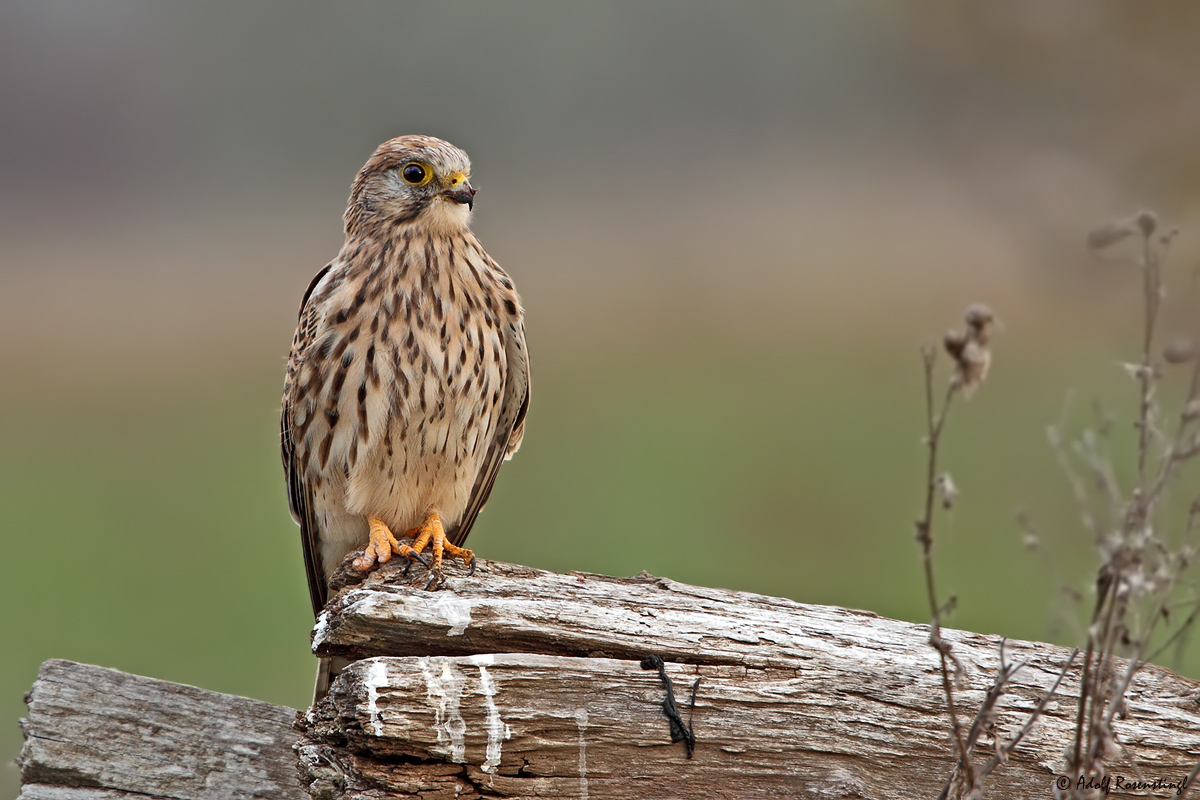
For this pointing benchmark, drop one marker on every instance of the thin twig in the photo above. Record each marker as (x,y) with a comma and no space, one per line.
(935,422)
(1153,298)
(1178,633)
(1003,752)
(1138,567)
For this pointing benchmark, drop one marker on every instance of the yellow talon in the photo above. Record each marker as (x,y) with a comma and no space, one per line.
(431,533)
(380,549)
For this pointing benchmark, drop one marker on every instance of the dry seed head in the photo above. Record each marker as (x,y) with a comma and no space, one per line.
(1147,222)
(1030,539)
(1141,537)
(1108,234)
(972,368)
(1134,584)
(978,317)
(954,342)
(947,489)
(1137,371)
(969,349)
(1181,350)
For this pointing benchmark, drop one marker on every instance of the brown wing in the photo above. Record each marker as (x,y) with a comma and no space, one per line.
(300,495)
(510,428)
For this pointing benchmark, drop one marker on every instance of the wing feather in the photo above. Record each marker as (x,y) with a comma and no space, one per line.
(300,491)
(509,431)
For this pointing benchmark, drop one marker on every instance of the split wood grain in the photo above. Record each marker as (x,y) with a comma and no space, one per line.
(99,734)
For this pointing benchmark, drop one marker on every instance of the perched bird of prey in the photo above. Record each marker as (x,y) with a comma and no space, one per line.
(408,379)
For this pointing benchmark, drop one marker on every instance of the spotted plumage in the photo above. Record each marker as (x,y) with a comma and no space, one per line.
(408,379)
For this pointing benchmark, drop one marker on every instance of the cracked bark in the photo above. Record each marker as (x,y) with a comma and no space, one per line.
(518,683)
(99,734)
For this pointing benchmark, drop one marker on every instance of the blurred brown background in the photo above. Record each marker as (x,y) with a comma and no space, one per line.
(732,225)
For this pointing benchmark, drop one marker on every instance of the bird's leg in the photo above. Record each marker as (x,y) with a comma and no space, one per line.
(431,533)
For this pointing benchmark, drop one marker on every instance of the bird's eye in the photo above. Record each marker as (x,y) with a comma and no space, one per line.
(416,174)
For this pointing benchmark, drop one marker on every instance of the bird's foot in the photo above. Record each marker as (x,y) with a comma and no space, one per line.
(431,534)
(382,546)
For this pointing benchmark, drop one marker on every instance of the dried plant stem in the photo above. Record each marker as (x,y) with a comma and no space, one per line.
(1078,491)
(1137,565)
(1004,751)
(1153,297)
(935,422)
(1179,450)
(1084,695)
(1183,628)
(1037,712)
(1135,663)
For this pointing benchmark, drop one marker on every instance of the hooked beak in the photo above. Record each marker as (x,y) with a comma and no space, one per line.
(460,190)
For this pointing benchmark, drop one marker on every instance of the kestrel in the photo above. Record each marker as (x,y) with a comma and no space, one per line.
(408,378)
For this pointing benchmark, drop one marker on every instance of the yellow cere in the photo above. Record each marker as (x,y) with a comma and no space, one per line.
(456,179)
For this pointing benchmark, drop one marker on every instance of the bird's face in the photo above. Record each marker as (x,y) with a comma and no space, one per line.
(414,179)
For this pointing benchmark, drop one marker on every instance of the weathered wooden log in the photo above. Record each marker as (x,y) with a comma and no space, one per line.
(518,683)
(533,682)
(99,734)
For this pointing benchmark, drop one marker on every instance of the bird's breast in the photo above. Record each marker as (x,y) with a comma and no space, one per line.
(410,369)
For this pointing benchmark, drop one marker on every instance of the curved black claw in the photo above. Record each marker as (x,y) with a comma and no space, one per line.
(471,566)
(415,556)
(435,579)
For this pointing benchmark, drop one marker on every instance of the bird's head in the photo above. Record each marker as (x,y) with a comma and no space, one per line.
(413,179)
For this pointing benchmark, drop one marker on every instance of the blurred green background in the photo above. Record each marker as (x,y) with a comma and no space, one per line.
(733,226)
